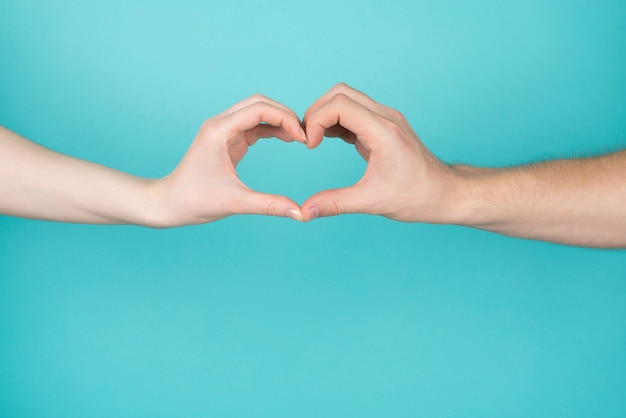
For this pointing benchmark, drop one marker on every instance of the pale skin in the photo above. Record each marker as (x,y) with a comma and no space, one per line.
(575,202)
(38,183)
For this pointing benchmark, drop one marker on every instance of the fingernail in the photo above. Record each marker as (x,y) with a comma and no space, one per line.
(294,214)
(313,212)
(303,135)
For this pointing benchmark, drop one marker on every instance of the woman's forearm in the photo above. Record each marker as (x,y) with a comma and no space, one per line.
(39,183)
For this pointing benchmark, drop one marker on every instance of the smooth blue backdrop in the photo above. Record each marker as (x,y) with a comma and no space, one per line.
(349,316)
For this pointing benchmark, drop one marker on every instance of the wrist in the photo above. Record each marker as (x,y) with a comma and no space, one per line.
(155,212)
(467,197)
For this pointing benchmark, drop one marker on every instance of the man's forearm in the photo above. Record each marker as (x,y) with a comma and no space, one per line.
(576,202)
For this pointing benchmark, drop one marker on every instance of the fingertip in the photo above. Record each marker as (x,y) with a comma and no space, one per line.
(310,209)
(303,136)
(257,203)
(294,214)
(313,138)
(334,202)
(297,133)
(311,213)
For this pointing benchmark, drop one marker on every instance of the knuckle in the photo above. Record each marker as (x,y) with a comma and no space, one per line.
(261,109)
(294,115)
(397,115)
(341,86)
(271,209)
(258,97)
(393,127)
(259,104)
(340,98)
(211,126)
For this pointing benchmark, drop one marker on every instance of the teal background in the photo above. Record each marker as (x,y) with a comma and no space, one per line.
(347,316)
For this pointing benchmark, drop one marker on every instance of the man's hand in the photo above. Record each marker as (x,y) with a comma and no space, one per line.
(574,201)
(403,180)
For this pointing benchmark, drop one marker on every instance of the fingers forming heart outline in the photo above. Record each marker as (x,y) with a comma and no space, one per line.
(400,181)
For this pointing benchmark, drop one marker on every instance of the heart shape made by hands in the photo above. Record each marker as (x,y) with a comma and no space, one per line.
(402,179)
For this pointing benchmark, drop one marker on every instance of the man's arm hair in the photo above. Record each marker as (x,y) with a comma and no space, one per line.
(580,201)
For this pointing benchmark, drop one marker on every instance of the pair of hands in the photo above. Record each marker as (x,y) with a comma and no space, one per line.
(402,181)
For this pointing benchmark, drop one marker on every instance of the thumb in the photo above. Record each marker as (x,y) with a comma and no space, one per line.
(335,202)
(256,203)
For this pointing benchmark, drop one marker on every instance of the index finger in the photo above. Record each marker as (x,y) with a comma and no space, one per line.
(356,95)
(254,99)
(260,113)
(344,111)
